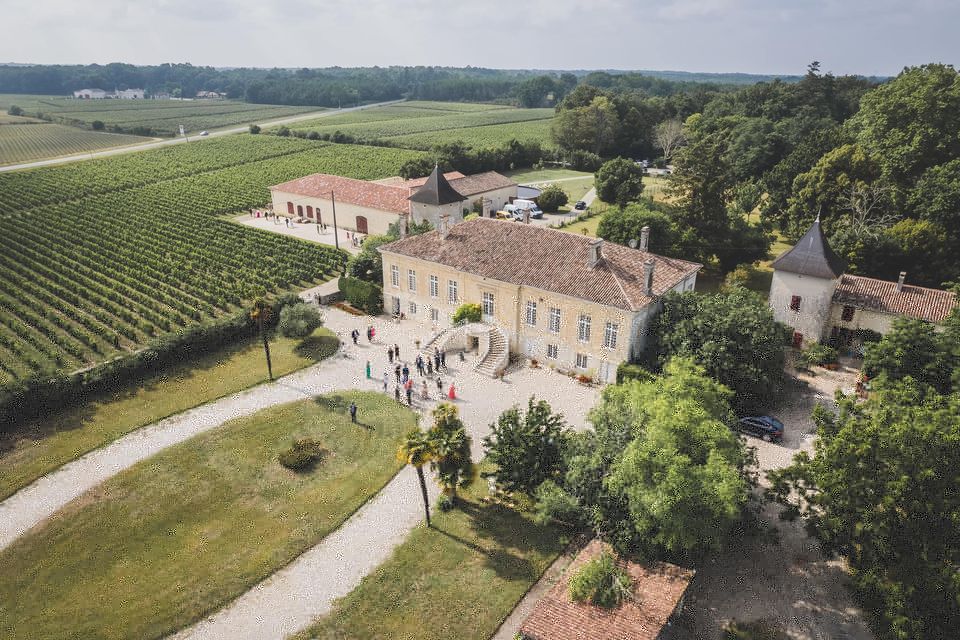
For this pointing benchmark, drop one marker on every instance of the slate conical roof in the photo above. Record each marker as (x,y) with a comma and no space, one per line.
(812,256)
(436,191)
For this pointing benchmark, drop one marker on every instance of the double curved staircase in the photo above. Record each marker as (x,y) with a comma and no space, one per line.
(493,350)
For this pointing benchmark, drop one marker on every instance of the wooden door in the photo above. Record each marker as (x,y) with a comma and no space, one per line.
(361,224)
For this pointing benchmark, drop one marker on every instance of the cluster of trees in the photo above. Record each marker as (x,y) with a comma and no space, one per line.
(879,163)
(882,486)
(445,446)
(458,156)
(660,474)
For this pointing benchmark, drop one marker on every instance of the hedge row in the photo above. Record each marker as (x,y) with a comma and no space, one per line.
(362,294)
(32,397)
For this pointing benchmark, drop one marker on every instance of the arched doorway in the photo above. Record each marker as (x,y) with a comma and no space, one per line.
(299,210)
(361,224)
(310,212)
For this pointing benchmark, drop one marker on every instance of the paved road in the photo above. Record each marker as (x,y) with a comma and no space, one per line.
(168,141)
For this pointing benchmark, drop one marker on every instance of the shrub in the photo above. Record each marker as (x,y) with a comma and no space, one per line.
(552,198)
(818,354)
(14,110)
(254,129)
(553,504)
(283,132)
(363,295)
(445,503)
(629,371)
(299,320)
(601,582)
(97,125)
(467,312)
(313,135)
(302,455)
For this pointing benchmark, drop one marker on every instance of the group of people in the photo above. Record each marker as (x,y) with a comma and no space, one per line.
(355,238)
(371,334)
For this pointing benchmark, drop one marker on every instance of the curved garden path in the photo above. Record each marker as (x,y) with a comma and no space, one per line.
(306,588)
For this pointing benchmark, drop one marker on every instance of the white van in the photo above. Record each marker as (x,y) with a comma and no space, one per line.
(520,205)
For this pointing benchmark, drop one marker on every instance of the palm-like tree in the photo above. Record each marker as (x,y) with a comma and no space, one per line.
(451,450)
(417,450)
(261,311)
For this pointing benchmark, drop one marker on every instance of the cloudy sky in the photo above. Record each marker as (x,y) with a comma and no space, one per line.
(760,36)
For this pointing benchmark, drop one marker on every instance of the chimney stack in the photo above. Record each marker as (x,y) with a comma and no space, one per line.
(595,253)
(903,276)
(444,225)
(402,224)
(644,238)
(648,276)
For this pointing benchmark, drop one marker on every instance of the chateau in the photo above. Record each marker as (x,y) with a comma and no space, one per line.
(576,303)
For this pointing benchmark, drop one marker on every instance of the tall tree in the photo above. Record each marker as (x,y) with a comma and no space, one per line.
(261,312)
(881,489)
(527,447)
(732,335)
(417,450)
(669,135)
(450,450)
(619,181)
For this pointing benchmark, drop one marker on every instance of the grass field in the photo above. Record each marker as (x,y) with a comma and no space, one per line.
(151,117)
(535,176)
(459,579)
(97,262)
(177,536)
(481,137)
(26,142)
(43,445)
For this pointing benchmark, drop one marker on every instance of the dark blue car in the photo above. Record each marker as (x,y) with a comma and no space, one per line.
(766,427)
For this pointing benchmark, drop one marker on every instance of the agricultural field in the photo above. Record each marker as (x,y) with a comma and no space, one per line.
(25,141)
(149,117)
(489,136)
(419,125)
(88,276)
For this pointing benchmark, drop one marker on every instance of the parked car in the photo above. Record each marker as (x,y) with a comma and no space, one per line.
(766,427)
(536,213)
(204,133)
(580,206)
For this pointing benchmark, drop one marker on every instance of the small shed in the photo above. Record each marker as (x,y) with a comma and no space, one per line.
(658,591)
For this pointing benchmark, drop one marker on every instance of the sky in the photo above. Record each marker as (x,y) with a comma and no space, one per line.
(868,37)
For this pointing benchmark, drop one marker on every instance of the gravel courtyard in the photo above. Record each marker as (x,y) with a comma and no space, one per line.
(783,579)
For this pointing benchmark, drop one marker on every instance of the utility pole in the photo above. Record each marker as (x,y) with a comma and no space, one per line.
(333,203)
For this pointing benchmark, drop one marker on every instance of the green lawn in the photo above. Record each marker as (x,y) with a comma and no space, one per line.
(180,534)
(533,176)
(460,579)
(58,438)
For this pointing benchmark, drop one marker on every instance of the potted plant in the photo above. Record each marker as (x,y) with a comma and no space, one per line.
(534,364)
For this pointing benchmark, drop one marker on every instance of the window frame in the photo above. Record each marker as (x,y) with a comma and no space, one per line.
(488,298)
(555,348)
(453,292)
(395,276)
(412,280)
(584,323)
(530,316)
(434,286)
(554,320)
(585,361)
(848,312)
(610,334)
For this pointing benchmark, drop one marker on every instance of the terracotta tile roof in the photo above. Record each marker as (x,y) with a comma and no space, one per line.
(358,192)
(657,590)
(932,305)
(481,182)
(413,183)
(547,259)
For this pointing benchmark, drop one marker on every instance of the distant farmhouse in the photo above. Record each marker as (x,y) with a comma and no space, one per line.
(210,95)
(371,207)
(811,293)
(100,94)
(574,303)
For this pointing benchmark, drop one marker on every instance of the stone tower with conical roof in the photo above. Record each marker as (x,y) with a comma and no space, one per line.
(435,198)
(804,280)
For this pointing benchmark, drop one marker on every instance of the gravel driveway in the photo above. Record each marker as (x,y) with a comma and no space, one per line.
(782,578)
